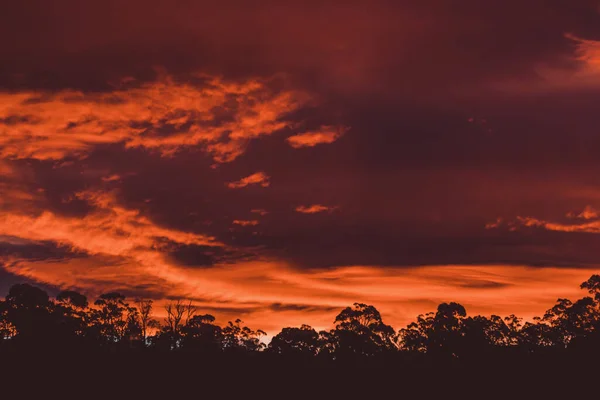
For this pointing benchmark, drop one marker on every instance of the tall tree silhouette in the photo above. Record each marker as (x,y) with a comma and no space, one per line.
(28,310)
(114,319)
(296,342)
(360,331)
(592,285)
(178,315)
(439,334)
(202,335)
(145,320)
(239,338)
(71,312)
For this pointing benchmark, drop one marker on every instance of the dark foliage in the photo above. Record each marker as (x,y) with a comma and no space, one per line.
(29,319)
(444,344)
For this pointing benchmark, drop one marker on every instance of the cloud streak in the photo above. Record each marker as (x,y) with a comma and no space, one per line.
(588,212)
(245,222)
(258,178)
(325,135)
(314,209)
(112,233)
(588,53)
(587,221)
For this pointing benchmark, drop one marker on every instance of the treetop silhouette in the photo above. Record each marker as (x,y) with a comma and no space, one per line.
(31,320)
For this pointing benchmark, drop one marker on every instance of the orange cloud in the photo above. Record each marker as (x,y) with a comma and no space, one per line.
(245,222)
(258,178)
(588,213)
(589,227)
(54,125)
(584,75)
(313,209)
(14,196)
(586,221)
(588,53)
(16,188)
(495,224)
(111,178)
(326,134)
(110,232)
(259,211)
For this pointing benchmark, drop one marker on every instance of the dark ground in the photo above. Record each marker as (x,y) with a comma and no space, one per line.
(172,376)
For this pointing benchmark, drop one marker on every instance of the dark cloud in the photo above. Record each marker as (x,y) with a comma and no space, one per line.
(7,280)
(300,307)
(17,119)
(484,285)
(190,255)
(401,45)
(35,251)
(12,248)
(205,256)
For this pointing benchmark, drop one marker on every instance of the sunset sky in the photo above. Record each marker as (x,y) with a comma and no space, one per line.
(279,160)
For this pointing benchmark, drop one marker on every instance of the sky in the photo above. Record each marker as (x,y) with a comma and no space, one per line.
(277,161)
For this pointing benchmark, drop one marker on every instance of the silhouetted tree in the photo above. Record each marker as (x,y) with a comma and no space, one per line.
(115,320)
(483,337)
(535,336)
(178,315)
(145,319)
(303,341)
(241,338)
(360,331)
(72,300)
(28,310)
(71,310)
(567,321)
(593,286)
(328,344)
(439,334)
(30,320)
(200,334)
(415,337)
(514,325)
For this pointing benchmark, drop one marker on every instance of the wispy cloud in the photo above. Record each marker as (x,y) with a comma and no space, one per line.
(324,135)
(586,221)
(242,222)
(588,212)
(258,178)
(313,209)
(164,115)
(553,77)
(588,53)
(111,178)
(259,211)
(491,225)
(112,233)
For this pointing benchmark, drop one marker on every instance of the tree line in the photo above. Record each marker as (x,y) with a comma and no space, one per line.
(31,321)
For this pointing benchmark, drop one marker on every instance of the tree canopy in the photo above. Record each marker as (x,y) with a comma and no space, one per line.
(30,319)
